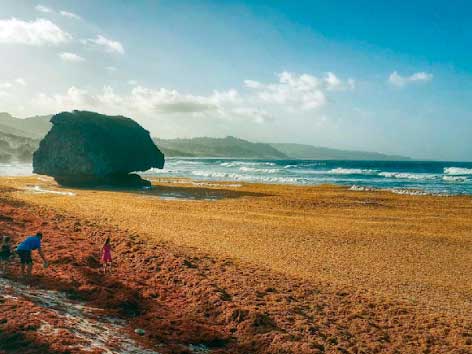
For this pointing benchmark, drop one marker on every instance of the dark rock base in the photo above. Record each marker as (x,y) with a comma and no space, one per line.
(118,180)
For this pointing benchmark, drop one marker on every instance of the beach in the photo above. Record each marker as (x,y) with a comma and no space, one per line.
(235,267)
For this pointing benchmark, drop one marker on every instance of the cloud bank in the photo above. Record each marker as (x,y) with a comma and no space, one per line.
(71,57)
(258,102)
(34,33)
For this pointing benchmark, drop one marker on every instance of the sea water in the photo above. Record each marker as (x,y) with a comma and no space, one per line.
(414,177)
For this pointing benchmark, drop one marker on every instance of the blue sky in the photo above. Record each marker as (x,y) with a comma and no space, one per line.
(365,75)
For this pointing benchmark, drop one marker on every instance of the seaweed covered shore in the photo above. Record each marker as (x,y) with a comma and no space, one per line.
(194,272)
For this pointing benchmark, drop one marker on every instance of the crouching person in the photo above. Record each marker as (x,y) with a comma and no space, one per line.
(24,250)
(5,253)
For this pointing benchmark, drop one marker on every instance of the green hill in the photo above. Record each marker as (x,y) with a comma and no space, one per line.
(239,148)
(217,147)
(33,127)
(20,137)
(309,152)
(15,148)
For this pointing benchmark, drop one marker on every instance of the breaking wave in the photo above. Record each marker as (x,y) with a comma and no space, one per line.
(258,170)
(401,175)
(455,179)
(352,171)
(457,171)
(248,178)
(246,163)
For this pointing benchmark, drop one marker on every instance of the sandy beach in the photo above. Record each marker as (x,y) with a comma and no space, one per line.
(248,268)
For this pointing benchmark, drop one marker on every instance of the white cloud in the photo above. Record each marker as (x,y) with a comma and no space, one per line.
(48,10)
(70,15)
(74,98)
(106,44)
(292,91)
(400,81)
(37,33)
(260,103)
(5,85)
(71,57)
(43,9)
(21,81)
(252,84)
(333,83)
(171,101)
(303,91)
(257,115)
(145,101)
(111,69)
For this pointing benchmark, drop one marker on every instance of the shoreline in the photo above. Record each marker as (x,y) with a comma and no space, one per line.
(432,178)
(350,261)
(239,183)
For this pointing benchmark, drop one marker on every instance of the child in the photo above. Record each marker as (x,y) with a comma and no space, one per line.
(106,256)
(5,253)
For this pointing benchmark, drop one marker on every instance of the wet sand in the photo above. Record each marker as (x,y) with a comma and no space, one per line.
(260,268)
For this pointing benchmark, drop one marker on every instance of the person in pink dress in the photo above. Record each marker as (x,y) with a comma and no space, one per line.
(106,256)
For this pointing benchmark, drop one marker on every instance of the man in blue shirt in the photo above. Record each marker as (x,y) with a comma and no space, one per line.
(24,249)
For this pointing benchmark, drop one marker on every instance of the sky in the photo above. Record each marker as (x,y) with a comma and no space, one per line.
(392,77)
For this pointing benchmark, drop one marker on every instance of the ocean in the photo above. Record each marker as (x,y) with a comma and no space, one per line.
(406,177)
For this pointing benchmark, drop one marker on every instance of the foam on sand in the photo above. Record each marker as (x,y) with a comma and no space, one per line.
(40,190)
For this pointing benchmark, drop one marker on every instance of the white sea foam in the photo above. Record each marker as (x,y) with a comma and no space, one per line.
(246,163)
(40,190)
(352,171)
(402,175)
(258,170)
(182,162)
(360,188)
(247,178)
(455,178)
(216,185)
(402,191)
(407,191)
(457,171)
(16,169)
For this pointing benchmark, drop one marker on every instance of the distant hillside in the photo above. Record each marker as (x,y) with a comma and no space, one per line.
(309,152)
(15,148)
(239,148)
(215,147)
(33,127)
(20,137)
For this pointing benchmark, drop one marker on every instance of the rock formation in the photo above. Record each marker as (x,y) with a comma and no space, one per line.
(90,149)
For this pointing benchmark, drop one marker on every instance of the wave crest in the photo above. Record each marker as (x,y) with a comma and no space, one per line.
(457,171)
(352,171)
(402,175)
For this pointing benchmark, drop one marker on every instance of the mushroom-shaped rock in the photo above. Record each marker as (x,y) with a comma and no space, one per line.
(90,149)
